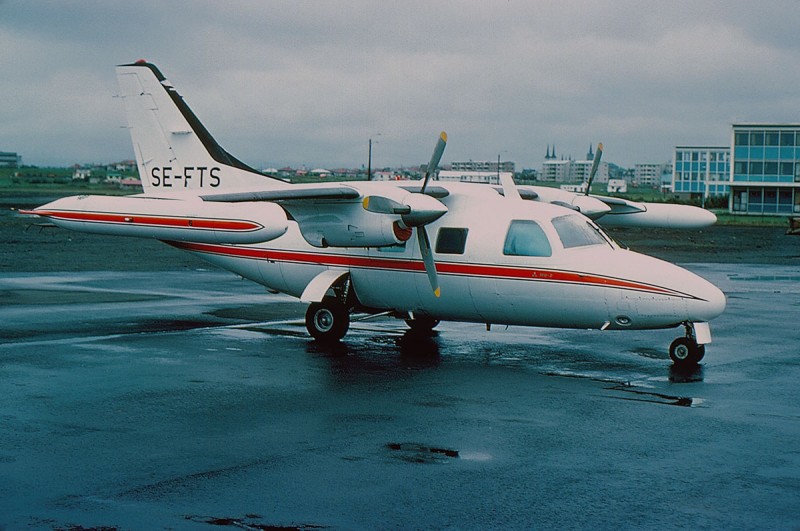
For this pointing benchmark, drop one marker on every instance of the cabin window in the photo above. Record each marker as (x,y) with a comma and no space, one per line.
(576,231)
(451,241)
(526,238)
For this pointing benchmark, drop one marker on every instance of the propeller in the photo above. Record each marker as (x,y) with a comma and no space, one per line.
(416,209)
(595,164)
(422,234)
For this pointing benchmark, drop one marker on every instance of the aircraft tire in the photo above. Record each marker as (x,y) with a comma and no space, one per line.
(327,321)
(685,351)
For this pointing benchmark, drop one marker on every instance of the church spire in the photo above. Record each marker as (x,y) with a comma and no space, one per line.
(590,155)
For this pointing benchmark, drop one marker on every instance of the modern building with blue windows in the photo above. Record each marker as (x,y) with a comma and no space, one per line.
(765,169)
(700,172)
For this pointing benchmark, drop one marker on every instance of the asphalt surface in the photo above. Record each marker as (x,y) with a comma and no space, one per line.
(153,392)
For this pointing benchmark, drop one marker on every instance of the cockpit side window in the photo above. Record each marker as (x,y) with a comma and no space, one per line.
(526,238)
(576,231)
(451,240)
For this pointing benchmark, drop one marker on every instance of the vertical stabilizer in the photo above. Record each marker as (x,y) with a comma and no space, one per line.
(175,153)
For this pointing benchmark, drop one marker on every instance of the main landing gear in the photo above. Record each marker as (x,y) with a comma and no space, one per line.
(327,321)
(685,351)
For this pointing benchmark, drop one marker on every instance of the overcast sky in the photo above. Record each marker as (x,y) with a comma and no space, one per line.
(301,82)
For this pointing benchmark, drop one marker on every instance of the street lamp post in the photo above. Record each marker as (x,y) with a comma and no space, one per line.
(369,159)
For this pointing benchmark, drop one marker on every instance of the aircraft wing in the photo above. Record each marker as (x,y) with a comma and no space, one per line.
(619,212)
(625,213)
(301,193)
(353,214)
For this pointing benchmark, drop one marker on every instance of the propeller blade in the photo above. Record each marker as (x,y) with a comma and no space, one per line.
(427,259)
(435,158)
(595,164)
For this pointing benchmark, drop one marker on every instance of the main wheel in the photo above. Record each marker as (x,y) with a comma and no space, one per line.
(685,351)
(328,320)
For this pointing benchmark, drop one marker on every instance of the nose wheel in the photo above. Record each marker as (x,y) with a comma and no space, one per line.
(685,351)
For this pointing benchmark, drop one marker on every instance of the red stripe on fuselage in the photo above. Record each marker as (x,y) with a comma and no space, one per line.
(151,221)
(445,268)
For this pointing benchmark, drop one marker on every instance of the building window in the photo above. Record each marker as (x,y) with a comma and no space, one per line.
(742,139)
(771,138)
(757,138)
(787,138)
(770,168)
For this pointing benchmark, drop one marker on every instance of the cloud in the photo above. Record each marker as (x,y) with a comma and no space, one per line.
(310,82)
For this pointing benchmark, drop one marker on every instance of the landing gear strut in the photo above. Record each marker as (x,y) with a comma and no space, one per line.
(685,351)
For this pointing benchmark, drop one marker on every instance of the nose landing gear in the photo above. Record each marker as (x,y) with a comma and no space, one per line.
(686,351)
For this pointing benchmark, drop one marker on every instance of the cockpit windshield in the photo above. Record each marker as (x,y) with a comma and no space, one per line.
(577,231)
(526,238)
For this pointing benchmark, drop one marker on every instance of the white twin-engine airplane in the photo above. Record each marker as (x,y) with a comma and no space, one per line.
(425,252)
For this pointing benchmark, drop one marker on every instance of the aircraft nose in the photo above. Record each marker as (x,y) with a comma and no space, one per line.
(709,303)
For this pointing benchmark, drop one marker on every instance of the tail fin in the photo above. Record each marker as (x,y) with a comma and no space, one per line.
(175,153)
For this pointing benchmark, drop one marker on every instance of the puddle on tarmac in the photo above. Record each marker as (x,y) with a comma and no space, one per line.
(420,453)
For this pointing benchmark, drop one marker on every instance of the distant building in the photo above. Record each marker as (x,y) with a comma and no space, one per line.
(568,170)
(123,166)
(483,166)
(575,188)
(387,175)
(580,170)
(700,172)
(9,160)
(556,171)
(649,174)
(130,184)
(81,174)
(765,168)
(617,186)
(485,177)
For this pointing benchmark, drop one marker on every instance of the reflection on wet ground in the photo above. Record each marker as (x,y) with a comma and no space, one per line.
(138,401)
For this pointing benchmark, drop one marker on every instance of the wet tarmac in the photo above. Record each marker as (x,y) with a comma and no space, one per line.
(195,400)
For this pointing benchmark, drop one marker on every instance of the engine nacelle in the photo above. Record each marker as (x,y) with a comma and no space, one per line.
(188,220)
(348,225)
(661,215)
